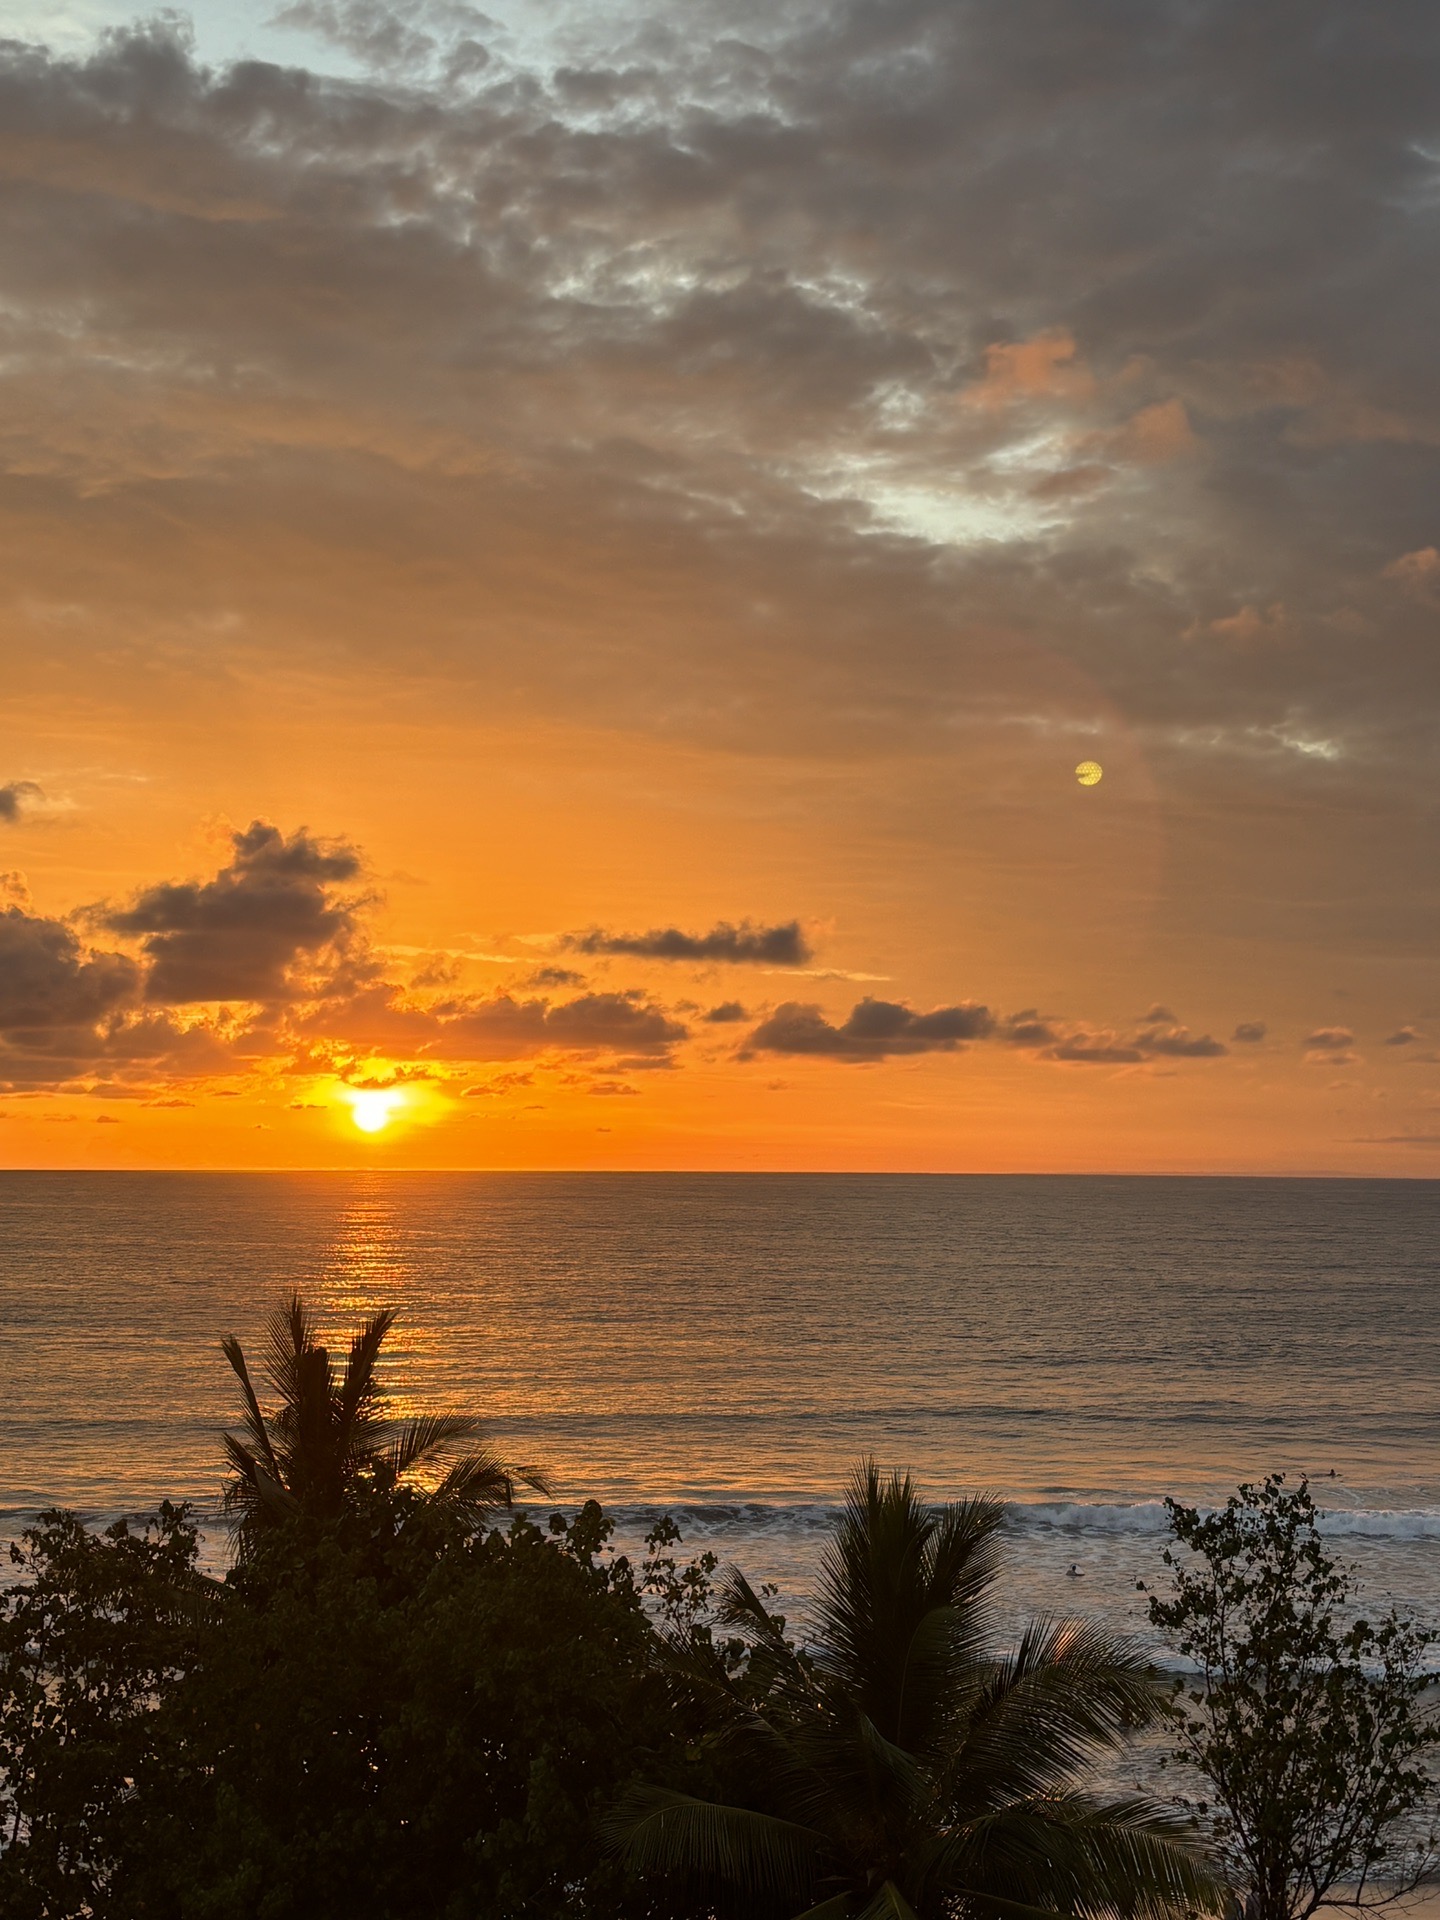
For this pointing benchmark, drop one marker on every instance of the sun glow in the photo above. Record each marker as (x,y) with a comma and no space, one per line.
(373,1108)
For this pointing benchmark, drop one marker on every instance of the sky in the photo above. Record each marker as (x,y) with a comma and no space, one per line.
(559,564)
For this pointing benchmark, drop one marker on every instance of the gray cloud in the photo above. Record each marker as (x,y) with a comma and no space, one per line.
(1249,1032)
(875,1030)
(745,944)
(811,355)
(71,1013)
(1028,1029)
(237,936)
(1087,1047)
(898,344)
(48,980)
(1091,1051)
(499,1026)
(503,1027)
(1329,1040)
(1403,1037)
(1178,1043)
(273,927)
(15,797)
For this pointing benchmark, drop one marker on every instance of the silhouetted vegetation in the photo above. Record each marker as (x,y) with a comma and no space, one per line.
(394,1708)
(1306,1727)
(329,1436)
(96,1635)
(902,1764)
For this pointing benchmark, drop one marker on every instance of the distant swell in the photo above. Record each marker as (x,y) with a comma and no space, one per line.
(699,1520)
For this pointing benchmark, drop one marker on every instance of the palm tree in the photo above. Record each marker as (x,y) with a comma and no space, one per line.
(328,1436)
(906,1768)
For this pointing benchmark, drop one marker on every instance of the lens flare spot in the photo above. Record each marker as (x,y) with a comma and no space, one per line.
(373,1108)
(1089,773)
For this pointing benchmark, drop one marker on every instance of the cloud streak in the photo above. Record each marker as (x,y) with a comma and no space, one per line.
(874,1030)
(742,944)
(884,1029)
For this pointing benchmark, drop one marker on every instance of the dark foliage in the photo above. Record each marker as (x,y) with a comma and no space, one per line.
(904,1766)
(96,1635)
(391,1715)
(391,1709)
(398,1720)
(1307,1727)
(330,1435)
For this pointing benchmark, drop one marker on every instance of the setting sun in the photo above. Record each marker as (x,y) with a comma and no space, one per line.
(558,579)
(373,1108)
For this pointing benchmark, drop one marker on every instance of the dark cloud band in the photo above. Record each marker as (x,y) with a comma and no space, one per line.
(734,944)
(875,1030)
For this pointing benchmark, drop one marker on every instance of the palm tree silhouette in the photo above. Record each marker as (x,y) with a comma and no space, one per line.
(905,1767)
(328,1436)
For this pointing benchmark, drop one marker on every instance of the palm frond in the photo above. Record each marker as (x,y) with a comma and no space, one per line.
(1067,1693)
(660,1831)
(253,1418)
(893,1563)
(240,1457)
(253,1493)
(894,1781)
(1128,1857)
(476,1484)
(359,1388)
(776,1665)
(697,1672)
(937,1675)
(1146,1856)
(427,1434)
(738,1605)
(888,1904)
(1019,1909)
(843,1777)
(840,1906)
(963,1557)
(289,1335)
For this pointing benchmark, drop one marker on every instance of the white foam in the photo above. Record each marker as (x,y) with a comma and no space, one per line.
(702,1520)
(1150,1517)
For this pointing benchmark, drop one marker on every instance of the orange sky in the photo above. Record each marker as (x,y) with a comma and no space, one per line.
(525,591)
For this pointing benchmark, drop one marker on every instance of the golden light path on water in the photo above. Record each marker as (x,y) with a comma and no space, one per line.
(724,1348)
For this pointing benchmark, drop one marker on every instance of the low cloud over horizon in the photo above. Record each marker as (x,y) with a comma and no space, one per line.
(729,944)
(268,967)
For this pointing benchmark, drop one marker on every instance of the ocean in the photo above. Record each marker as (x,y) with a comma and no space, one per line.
(724,1347)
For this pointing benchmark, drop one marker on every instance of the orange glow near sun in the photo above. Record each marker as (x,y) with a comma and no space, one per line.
(373,1108)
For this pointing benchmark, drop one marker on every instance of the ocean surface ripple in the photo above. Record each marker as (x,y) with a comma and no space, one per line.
(724,1346)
